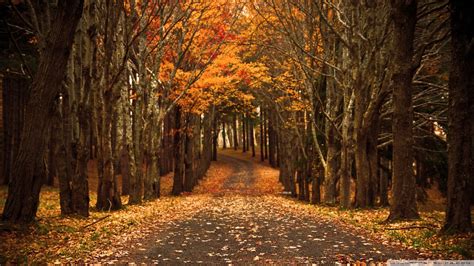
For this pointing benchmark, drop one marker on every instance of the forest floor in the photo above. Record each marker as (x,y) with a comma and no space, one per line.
(236,215)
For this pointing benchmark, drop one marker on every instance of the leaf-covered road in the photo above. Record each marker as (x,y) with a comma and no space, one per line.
(241,224)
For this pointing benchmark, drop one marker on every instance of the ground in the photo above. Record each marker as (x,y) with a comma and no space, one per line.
(236,214)
(240,224)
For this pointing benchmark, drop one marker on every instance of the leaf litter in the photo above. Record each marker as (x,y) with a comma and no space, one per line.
(229,218)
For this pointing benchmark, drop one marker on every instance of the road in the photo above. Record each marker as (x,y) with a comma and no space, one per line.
(239,226)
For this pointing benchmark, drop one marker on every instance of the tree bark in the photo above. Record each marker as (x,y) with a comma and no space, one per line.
(271,141)
(333,99)
(301,179)
(23,193)
(235,133)
(108,197)
(316,185)
(136,154)
(244,135)
(166,161)
(178,177)
(224,143)
(52,173)
(330,177)
(366,166)
(262,155)
(153,167)
(207,141)
(15,96)
(346,149)
(80,185)
(61,157)
(265,134)
(460,119)
(247,132)
(215,135)
(403,205)
(189,174)
(252,136)
(383,179)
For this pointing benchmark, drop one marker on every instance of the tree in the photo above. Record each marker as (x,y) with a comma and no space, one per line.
(403,205)
(23,192)
(460,123)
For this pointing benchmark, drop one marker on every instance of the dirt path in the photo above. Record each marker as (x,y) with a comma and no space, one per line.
(242,178)
(239,225)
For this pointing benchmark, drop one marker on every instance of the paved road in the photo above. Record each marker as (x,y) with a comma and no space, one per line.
(239,226)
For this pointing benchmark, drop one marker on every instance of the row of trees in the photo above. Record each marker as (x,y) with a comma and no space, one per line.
(359,92)
(135,86)
(334,93)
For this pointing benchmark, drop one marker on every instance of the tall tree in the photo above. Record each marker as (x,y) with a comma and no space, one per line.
(460,119)
(23,193)
(224,143)
(178,147)
(403,205)
(235,133)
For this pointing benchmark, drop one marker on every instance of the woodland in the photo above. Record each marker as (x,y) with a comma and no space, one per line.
(132,117)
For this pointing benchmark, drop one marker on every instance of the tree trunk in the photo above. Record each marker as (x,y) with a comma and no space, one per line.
(189,174)
(178,153)
(215,135)
(262,155)
(460,120)
(288,148)
(207,141)
(332,142)
(230,134)
(252,137)
(247,132)
(383,186)
(224,143)
(108,197)
(136,153)
(52,173)
(271,141)
(403,205)
(16,92)
(155,173)
(316,185)
(80,185)
(244,138)
(366,166)
(265,134)
(123,156)
(125,169)
(197,140)
(330,177)
(61,157)
(23,193)
(153,167)
(286,175)
(235,133)
(301,180)
(307,180)
(346,153)
(277,149)
(166,161)
(131,163)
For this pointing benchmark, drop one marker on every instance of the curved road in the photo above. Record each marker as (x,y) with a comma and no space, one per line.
(239,228)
